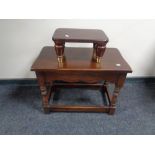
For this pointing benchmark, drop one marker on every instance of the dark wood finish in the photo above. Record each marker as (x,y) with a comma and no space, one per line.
(80,35)
(59,48)
(81,72)
(97,37)
(79,60)
(65,108)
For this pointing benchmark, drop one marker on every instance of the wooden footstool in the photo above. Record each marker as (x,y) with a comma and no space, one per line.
(95,36)
(78,70)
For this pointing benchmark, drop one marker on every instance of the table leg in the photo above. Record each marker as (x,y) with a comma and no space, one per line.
(118,86)
(106,91)
(106,83)
(44,92)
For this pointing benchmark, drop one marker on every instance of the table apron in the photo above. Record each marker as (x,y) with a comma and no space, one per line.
(82,77)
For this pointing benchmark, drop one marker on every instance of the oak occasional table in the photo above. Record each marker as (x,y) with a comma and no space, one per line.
(78,70)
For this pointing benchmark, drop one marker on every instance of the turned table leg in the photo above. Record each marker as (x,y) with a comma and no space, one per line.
(106,84)
(44,91)
(113,100)
(118,86)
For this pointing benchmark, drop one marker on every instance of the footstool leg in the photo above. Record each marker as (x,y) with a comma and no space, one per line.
(94,52)
(100,49)
(59,48)
(43,90)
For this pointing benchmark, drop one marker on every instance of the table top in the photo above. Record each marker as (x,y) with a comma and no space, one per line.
(80,35)
(81,59)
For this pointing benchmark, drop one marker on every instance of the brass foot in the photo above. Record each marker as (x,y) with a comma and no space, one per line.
(98,59)
(60,59)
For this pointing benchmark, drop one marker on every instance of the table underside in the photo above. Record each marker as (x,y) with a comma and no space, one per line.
(105,107)
(48,86)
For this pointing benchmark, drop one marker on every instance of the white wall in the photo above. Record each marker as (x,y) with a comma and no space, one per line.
(22,40)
